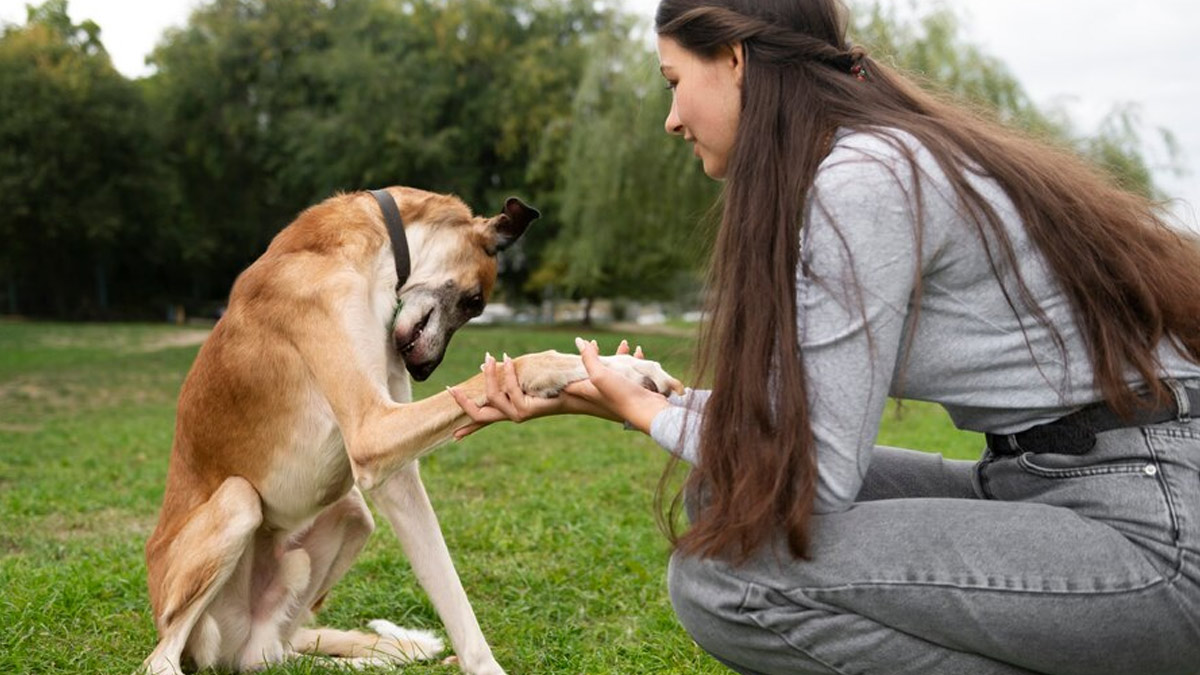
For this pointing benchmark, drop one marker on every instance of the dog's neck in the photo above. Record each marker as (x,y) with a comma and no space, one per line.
(395,228)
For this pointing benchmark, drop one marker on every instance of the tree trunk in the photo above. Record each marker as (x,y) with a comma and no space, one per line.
(102,289)
(587,311)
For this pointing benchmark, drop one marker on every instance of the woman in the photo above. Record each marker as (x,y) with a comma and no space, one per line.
(877,240)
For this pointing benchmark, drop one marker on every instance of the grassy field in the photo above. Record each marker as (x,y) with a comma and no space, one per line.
(550,523)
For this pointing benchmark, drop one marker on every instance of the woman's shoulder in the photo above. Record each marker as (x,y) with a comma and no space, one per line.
(877,162)
(875,150)
(872,162)
(874,186)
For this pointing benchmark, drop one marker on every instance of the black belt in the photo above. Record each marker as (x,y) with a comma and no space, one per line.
(1075,434)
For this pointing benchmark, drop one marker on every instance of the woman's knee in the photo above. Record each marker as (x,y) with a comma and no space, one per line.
(700,598)
(709,604)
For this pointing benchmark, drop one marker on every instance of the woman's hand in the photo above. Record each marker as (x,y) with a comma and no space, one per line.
(608,400)
(615,397)
(505,399)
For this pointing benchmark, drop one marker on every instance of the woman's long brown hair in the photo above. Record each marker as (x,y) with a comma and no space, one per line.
(1132,280)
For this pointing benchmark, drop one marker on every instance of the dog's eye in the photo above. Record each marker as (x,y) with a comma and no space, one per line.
(472,304)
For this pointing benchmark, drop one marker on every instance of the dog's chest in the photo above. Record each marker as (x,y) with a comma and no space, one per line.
(313,473)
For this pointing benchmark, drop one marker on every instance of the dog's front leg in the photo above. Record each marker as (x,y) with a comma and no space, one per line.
(403,501)
(390,435)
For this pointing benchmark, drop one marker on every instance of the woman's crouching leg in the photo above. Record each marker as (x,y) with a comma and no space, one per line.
(753,629)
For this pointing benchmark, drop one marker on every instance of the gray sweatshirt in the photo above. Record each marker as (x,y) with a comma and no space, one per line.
(967,351)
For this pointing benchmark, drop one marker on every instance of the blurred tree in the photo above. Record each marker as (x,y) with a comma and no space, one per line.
(77,171)
(630,197)
(223,85)
(274,105)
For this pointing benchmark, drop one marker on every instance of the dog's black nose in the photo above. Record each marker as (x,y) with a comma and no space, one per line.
(421,371)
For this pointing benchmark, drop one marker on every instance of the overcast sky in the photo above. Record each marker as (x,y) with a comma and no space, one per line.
(1088,55)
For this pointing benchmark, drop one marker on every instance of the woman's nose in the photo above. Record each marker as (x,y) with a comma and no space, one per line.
(673,125)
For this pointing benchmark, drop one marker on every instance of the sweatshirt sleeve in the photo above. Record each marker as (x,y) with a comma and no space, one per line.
(677,428)
(859,264)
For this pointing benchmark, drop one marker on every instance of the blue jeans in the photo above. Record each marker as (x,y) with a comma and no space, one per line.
(1034,563)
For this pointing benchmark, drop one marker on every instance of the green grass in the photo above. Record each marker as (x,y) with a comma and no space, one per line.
(550,523)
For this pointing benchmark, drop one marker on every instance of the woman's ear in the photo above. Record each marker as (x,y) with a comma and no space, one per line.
(739,62)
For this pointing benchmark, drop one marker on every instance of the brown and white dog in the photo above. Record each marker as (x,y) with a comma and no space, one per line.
(298,402)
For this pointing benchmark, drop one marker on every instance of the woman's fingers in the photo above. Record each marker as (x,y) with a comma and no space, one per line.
(512,390)
(490,387)
(497,395)
(505,399)
(590,353)
(482,415)
(473,411)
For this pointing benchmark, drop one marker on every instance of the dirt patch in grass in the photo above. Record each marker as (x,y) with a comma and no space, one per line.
(38,391)
(29,399)
(186,338)
(103,524)
(9,546)
(126,341)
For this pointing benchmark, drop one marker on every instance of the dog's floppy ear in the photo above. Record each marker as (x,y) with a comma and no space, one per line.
(511,223)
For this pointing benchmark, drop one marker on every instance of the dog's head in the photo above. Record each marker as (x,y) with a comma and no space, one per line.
(453,271)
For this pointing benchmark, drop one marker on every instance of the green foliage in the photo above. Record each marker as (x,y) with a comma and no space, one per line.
(630,197)
(275,105)
(78,169)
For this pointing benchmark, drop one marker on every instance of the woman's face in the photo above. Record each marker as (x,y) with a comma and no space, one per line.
(706,100)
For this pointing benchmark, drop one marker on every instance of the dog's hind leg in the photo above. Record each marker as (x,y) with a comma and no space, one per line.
(332,543)
(277,587)
(390,645)
(196,564)
(403,500)
(309,564)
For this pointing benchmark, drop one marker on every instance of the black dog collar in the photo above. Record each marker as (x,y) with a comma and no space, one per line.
(395,228)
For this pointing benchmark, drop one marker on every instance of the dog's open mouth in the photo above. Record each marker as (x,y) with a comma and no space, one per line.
(413,337)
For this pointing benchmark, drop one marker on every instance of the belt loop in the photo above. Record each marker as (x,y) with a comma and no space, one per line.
(1183,406)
